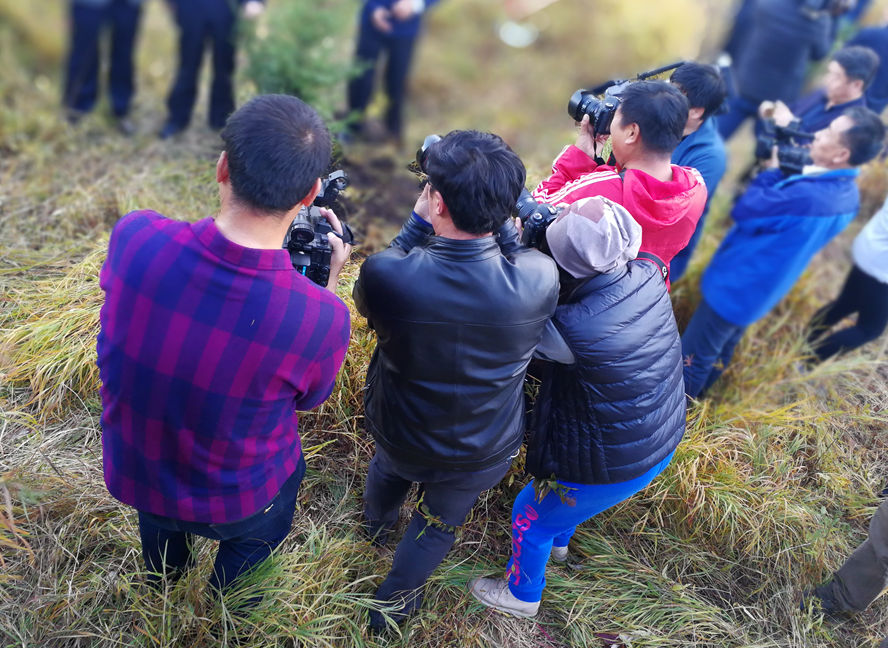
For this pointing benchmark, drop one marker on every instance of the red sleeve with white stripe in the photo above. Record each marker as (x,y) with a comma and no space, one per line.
(575,175)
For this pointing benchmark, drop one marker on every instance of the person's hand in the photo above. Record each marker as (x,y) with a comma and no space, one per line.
(382,20)
(772,162)
(253,9)
(421,208)
(782,114)
(587,142)
(766,109)
(341,250)
(403,9)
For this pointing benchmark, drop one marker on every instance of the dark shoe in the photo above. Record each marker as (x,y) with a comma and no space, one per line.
(125,126)
(73,116)
(821,600)
(170,130)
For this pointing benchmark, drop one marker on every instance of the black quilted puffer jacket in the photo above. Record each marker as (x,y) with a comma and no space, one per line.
(620,408)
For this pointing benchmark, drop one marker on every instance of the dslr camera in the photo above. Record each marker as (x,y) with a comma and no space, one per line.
(602,101)
(306,239)
(791,143)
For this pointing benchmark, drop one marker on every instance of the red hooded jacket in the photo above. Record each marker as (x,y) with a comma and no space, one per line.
(667,211)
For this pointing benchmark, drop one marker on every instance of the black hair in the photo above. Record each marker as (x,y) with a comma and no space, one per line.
(659,109)
(703,85)
(479,178)
(277,148)
(866,138)
(859,63)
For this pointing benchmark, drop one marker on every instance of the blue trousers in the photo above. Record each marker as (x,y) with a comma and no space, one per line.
(707,346)
(399,52)
(538,526)
(201,21)
(167,543)
(82,78)
(446,498)
(739,110)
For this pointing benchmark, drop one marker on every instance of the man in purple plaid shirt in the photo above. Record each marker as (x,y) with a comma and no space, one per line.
(209,343)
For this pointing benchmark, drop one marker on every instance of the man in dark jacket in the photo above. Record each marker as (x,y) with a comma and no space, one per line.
(390,26)
(458,313)
(783,38)
(606,424)
(88,19)
(701,147)
(876,38)
(201,21)
(779,224)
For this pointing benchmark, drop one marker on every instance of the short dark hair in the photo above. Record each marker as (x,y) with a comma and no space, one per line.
(866,138)
(277,148)
(703,85)
(859,63)
(479,178)
(659,109)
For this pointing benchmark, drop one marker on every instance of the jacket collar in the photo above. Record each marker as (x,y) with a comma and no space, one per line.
(833,173)
(463,250)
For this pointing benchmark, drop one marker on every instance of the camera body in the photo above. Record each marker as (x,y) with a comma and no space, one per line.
(791,154)
(535,218)
(834,7)
(306,239)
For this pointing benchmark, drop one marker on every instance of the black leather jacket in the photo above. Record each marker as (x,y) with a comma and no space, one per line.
(457,323)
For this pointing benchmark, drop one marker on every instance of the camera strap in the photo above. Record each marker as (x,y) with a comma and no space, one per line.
(653,258)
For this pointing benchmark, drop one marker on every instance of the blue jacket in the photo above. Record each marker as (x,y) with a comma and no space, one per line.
(813,113)
(774,58)
(620,408)
(780,223)
(876,38)
(704,150)
(400,29)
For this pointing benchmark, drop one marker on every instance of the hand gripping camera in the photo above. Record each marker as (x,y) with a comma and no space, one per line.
(791,143)
(535,218)
(602,101)
(306,239)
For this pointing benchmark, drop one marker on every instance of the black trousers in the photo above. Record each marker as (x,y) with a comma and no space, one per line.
(861,294)
(82,78)
(446,498)
(399,52)
(201,21)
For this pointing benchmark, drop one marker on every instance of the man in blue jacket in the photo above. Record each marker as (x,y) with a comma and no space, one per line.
(88,19)
(779,224)
(701,148)
(201,21)
(389,26)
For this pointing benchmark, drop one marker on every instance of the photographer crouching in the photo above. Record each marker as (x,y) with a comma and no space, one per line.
(780,223)
(645,128)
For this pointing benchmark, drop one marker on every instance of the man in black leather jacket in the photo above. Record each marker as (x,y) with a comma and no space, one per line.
(458,312)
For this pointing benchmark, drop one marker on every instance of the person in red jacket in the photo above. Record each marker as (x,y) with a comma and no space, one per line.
(665,199)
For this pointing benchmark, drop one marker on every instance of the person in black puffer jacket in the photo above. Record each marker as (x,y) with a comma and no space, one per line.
(607,424)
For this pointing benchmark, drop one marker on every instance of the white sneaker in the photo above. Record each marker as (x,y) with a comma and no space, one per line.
(494,593)
(559,554)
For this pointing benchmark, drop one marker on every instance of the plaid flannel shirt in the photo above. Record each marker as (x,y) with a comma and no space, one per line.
(206,351)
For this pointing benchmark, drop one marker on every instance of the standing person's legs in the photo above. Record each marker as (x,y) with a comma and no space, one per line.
(125,25)
(396,71)
(82,79)
(166,550)
(360,88)
(739,110)
(707,346)
(864,575)
(384,493)
(224,21)
(447,498)
(192,33)
(862,294)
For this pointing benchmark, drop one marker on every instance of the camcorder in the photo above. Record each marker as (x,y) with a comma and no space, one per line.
(535,216)
(306,239)
(792,145)
(602,101)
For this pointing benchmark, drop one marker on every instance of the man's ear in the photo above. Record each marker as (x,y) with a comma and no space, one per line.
(857,84)
(842,156)
(696,113)
(311,195)
(633,133)
(222,175)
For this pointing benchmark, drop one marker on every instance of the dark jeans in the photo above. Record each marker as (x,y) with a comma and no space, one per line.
(739,110)
(399,51)
(445,500)
(862,294)
(82,80)
(707,347)
(167,543)
(200,21)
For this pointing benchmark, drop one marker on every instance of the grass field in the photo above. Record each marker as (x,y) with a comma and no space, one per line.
(770,490)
